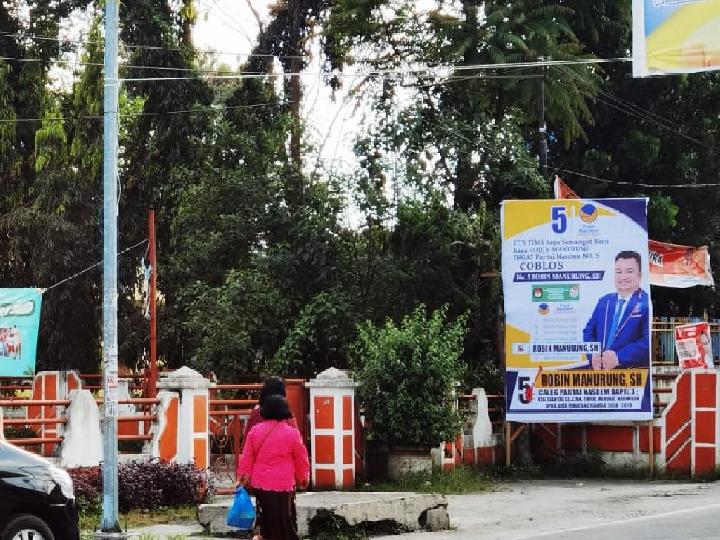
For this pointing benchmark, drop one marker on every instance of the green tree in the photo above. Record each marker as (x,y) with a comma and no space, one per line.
(408,374)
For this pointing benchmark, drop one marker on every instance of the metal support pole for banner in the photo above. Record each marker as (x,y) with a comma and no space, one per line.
(109,522)
(651,447)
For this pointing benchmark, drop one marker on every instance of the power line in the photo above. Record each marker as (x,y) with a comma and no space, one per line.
(640,184)
(375,72)
(84,270)
(214,109)
(125,66)
(409,72)
(630,108)
(146,47)
(499,153)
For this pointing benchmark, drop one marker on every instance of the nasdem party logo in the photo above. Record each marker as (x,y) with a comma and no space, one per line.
(588,213)
(543,309)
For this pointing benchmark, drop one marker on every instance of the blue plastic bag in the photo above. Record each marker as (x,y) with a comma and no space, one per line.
(242,511)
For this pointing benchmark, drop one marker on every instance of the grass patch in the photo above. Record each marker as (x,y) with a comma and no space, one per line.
(327,526)
(90,521)
(455,482)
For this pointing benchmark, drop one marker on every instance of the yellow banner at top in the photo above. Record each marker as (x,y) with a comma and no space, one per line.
(675,36)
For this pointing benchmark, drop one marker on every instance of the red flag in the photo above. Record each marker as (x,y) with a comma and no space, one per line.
(562,191)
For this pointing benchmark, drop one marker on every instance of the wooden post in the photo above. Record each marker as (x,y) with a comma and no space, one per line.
(651,449)
(508,443)
(510,437)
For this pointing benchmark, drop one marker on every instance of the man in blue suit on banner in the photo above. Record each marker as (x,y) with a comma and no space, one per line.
(621,320)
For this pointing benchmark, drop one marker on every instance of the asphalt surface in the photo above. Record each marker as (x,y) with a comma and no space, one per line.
(570,510)
(584,510)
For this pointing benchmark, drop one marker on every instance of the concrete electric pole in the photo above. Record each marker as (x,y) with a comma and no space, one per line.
(110,522)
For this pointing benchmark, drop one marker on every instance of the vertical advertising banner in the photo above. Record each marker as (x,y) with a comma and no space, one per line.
(19,324)
(576,285)
(675,36)
(694,345)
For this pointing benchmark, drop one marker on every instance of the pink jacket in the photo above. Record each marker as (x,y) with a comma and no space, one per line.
(256,418)
(280,463)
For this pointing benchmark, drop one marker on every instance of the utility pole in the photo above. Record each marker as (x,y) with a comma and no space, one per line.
(110,523)
(542,127)
(152,259)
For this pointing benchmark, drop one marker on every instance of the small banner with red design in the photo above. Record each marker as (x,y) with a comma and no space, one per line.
(672,265)
(694,345)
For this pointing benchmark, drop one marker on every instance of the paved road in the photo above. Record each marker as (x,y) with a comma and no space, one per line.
(585,510)
(576,510)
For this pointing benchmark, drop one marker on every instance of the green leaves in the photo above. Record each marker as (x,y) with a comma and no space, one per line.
(408,375)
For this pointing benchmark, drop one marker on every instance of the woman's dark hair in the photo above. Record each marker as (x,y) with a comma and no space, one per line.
(273,386)
(275,408)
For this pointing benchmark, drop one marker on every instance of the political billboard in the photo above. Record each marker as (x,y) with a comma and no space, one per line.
(577,310)
(19,324)
(675,36)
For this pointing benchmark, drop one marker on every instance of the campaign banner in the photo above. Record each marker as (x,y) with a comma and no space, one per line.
(673,265)
(578,312)
(693,345)
(675,36)
(19,324)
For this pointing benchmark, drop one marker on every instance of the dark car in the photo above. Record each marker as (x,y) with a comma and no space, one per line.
(37,501)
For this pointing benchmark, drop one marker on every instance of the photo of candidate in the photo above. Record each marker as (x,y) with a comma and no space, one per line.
(620,321)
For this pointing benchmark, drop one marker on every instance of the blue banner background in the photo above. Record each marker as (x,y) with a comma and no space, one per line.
(19,325)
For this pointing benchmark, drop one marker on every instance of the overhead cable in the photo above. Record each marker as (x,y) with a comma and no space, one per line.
(146,47)
(81,272)
(212,109)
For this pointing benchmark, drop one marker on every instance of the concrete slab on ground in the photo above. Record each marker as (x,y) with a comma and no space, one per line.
(408,511)
(543,509)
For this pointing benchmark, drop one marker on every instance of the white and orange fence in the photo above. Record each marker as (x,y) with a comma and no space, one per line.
(191,419)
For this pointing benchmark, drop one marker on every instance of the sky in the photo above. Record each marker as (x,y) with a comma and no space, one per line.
(230,27)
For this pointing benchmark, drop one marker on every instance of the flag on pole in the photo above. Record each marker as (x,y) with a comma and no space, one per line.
(562,190)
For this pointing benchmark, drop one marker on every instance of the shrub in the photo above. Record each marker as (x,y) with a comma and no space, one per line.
(408,375)
(88,488)
(144,485)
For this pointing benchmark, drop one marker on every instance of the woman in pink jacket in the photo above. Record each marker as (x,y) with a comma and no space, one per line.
(273,462)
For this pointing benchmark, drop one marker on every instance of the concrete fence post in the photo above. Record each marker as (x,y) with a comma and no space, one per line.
(482,433)
(332,429)
(82,441)
(180,433)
